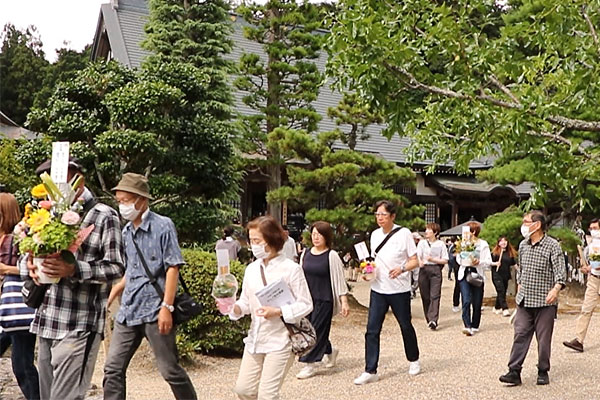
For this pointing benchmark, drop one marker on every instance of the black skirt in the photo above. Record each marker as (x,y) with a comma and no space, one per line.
(320,318)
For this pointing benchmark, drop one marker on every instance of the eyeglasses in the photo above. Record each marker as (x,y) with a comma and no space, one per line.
(256,241)
(380,214)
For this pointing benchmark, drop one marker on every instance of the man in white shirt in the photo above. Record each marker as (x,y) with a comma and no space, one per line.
(390,288)
(433,255)
(289,247)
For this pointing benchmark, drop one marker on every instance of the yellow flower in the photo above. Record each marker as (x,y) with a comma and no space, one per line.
(39,191)
(28,211)
(38,219)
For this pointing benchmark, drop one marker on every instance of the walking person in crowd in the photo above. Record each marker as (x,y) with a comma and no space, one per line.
(289,247)
(150,243)
(591,297)
(324,272)
(433,255)
(472,295)
(540,279)
(268,351)
(454,267)
(503,258)
(71,326)
(15,316)
(395,254)
(227,242)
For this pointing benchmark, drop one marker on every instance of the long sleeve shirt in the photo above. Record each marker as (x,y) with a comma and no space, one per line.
(267,335)
(79,302)
(542,266)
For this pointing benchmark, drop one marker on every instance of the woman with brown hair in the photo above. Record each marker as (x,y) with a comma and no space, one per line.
(503,258)
(268,351)
(324,273)
(15,316)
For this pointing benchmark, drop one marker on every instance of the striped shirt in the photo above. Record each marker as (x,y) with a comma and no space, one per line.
(78,303)
(542,267)
(14,314)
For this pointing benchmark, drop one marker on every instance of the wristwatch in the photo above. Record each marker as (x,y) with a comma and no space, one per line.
(402,269)
(167,306)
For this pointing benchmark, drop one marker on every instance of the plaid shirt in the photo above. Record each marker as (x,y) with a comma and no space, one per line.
(78,303)
(542,266)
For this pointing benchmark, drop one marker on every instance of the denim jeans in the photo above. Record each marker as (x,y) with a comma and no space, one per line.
(471,296)
(378,307)
(22,357)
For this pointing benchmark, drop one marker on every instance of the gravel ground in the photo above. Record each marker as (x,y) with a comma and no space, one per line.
(453,366)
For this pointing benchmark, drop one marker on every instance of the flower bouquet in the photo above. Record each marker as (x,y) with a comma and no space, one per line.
(595,262)
(467,251)
(367,268)
(50,227)
(224,290)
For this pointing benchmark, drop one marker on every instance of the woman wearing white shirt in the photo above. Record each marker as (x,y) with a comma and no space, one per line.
(268,353)
(472,295)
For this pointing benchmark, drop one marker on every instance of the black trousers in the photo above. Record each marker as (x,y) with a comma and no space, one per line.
(430,286)
(320,318)
(501,284)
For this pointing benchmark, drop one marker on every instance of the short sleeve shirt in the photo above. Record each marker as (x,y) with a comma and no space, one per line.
(395,253)
(157,239)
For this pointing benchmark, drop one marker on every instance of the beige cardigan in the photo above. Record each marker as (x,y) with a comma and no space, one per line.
(338,282)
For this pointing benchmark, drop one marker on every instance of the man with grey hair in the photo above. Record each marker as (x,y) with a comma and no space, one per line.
(541,277)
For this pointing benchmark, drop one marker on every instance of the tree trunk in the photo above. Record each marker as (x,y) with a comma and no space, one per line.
(274,172)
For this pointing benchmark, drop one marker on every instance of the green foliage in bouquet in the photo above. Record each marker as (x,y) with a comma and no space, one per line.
(594,257)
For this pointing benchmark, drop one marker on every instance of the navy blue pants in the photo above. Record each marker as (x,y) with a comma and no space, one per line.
(22,356)
(378,307)
(471,296)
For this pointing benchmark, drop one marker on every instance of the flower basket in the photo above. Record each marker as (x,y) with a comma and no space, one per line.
(595,265)
(367,268)
(42,277)
(469,258)
(224,291)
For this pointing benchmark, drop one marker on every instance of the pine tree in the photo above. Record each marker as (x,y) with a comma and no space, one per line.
(281,87)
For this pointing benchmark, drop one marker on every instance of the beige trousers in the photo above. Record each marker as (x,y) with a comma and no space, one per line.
(590,301)
(261,375)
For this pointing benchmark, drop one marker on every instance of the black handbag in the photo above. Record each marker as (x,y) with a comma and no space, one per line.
(33,295)
(474,278)
(186,307)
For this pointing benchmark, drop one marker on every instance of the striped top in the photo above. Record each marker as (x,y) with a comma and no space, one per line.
(14,314)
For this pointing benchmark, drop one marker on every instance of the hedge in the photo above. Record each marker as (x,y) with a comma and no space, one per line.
(210,332)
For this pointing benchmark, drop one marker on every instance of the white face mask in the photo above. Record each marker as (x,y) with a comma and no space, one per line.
(525,231)
(258,250)
(595,233)
(128,211)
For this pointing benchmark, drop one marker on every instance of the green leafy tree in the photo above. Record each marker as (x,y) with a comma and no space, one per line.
(355,113)
(22,70)
(342,186)
(470,79)
(506,223)
(282,86)
(170,121)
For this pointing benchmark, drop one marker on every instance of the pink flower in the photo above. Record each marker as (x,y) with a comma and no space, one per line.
(70,218)
(47,204)
(37,239)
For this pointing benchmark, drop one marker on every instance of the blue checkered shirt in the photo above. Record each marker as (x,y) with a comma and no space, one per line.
(157,239)
(542,266)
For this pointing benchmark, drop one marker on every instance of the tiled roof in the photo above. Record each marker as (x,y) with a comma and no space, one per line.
(125,26)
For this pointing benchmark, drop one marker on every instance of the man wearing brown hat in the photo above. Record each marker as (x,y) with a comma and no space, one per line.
(70,321)
(150,242)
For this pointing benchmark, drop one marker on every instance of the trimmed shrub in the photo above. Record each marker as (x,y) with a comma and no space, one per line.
(210,332)
(506,223)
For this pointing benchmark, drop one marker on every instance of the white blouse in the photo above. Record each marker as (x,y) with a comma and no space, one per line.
(267,335)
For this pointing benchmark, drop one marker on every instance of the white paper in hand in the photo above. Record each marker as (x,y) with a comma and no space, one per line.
(275,294)
(361,251)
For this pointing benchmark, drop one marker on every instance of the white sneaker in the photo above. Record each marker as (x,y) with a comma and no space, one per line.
(467,331)
(414,368)
(497,311)
(306,372)
(455,309)
(474,330)
(366,377)
(506,313)
(331,359)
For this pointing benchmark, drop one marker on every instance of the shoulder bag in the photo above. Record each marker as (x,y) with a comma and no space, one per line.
(186,307)
(474,278)
(302,334)
(385,240)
